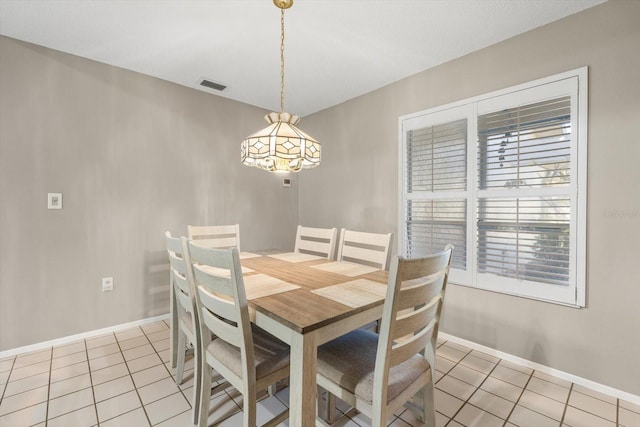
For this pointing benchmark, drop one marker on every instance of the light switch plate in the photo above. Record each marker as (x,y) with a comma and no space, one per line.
(54,200)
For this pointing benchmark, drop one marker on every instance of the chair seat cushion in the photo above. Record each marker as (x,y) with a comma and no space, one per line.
(350,362)
(270,353)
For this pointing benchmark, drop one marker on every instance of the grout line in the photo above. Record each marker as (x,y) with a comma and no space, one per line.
(46,413)
(519,397)
(566,405)
(93,392)
(135,387)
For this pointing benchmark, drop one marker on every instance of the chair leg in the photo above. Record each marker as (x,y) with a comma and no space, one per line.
(205,393)
(181,356)
(197,380)
(429,414)
(249,409)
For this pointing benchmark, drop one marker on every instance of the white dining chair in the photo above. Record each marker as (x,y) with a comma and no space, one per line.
(316,241)
(246,356)
(364,248)
(215,236)
(183,301)
(378,374)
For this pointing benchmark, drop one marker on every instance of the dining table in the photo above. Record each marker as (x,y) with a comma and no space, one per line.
(306,301)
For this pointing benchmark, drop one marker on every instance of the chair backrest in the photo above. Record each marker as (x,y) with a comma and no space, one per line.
(179,264)
(317,241)
(411,313)
(223,308)
(364,248)
(215,236)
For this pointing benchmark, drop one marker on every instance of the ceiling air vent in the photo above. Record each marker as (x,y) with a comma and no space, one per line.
(212,85)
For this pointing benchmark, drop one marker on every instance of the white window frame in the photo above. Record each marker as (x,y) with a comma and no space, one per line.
(572,83)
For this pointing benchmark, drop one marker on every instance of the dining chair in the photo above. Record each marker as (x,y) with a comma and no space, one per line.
(377,374)
(364,248)
(183,301)
(249,358)
(215,236)
(316,241)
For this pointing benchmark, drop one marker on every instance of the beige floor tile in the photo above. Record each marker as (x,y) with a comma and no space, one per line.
(110,373)
(491,403)
(485,356)
(118,405)
(165,355)
(136,418)
(128,334)
(105,361)
(457,346)
(542,404)
(468,375)
(69,385)
(154,327)
(502,389)
(6,364)
(552,379)
(70,371)
(134,342)
(183,419)
(630,406)
(446,404)
(144,362)
(67,349)
(25,417)
(577,418)
(100,341)
(158,336)
(80,418)
(593,405)
(450,353)
(148,376)
(70,402)
(515,366)
(166,408)
(29,370)
(455,387)
(26,384)
(161,345)
(509,375)
(548,389)
(471,416)
(113,388)
(32,358)
(4,378)
(70,359)
(524,417)
(478,363)
(23,400)
(443,364)
(158,390)
(137,352)
(590,392)
(103,350)
(628,418)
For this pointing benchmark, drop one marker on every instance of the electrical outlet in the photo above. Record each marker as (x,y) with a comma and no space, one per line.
(107,284)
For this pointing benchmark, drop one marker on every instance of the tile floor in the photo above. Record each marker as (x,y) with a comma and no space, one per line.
(123,379)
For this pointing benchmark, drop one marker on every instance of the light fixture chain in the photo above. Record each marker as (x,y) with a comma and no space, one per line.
(282,62)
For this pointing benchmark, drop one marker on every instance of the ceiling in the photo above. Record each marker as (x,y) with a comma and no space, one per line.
(335,50)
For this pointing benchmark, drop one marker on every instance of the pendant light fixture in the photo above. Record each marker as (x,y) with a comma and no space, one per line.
(281,146)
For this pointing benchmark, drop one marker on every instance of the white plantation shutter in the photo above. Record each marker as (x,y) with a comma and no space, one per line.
(503,178)
(436,183)
(525,149)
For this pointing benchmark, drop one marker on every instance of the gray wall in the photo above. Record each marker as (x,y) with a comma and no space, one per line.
(133,156)
(357,186)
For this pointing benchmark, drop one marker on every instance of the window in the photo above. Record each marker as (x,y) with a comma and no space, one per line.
(503,178)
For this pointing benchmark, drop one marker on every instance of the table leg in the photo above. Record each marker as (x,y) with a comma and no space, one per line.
(302,381)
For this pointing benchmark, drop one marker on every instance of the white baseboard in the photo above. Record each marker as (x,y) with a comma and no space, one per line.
(84,335)
(545,369)
(506,356)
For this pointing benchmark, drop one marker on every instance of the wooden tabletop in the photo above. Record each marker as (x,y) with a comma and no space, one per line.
(300,309)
